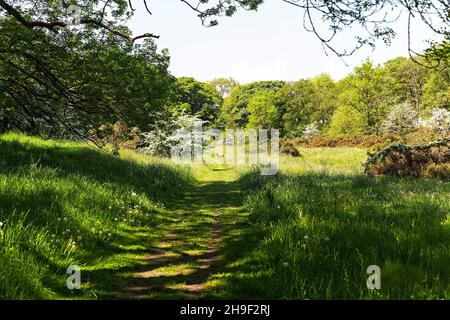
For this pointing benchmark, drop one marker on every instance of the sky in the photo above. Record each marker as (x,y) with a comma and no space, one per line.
(269,44)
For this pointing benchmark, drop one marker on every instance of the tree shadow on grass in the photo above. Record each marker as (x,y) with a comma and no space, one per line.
(93,164)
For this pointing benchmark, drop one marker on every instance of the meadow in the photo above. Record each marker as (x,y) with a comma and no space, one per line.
(141,227)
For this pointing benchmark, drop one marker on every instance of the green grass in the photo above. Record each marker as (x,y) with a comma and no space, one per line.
(311,234)
(62,203)
(308,233)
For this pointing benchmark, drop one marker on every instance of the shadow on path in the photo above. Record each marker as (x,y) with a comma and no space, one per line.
(188,254)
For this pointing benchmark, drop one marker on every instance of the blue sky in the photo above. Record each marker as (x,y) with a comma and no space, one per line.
(270,44)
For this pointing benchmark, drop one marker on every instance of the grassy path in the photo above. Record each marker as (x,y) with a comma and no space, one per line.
(181,263)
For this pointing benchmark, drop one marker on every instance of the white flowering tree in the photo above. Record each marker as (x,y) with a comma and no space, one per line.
(401,119)
(439,121)
(165,133)
(311,130)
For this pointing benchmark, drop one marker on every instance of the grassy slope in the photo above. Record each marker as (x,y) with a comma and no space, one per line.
(63,203)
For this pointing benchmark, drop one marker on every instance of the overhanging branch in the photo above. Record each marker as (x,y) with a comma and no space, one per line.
(53,26)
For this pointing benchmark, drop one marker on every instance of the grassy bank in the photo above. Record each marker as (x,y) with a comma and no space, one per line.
(62,203)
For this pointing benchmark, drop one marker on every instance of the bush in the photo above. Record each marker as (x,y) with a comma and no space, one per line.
(288,147)
(422,135)
(311,130)
(438,122)
(400,120)
(431,160)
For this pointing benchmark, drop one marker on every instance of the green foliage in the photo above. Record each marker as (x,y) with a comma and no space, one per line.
(408,80)
(263,112)
(198,98)
(296,100)
(224,86)
(347,121)
(67,84)
(234,111)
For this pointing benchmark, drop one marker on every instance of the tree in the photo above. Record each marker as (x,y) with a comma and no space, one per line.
(436,90)
(324,99)
(224,86)
(297,102)
(409,79)
(364,91)
(401,120)
(201,99)
(347,121)
(373,18)
(234,111)
(263,112)
(70,83)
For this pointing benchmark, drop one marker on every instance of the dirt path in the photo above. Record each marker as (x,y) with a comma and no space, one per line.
(180,265)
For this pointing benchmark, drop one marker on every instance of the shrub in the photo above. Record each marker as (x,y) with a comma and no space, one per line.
(439,122)
(431,160)
(421,135)
(311,130)
(400,120)
(288,147)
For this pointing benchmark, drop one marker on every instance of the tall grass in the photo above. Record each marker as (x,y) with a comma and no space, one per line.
(320,230)
(63,203)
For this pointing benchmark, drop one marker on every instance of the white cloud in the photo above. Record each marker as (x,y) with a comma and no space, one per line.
(246,72)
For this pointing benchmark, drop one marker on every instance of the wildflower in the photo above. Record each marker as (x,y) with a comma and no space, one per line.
(79,238)
(59,219)
(109,234)
(134,194)
(306,237)
(100,232)
(68,230)
(327,239)
(115,219)
(304,246)
(285,264)
(53,235)
(1,224)
(110,207)
(65,219)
